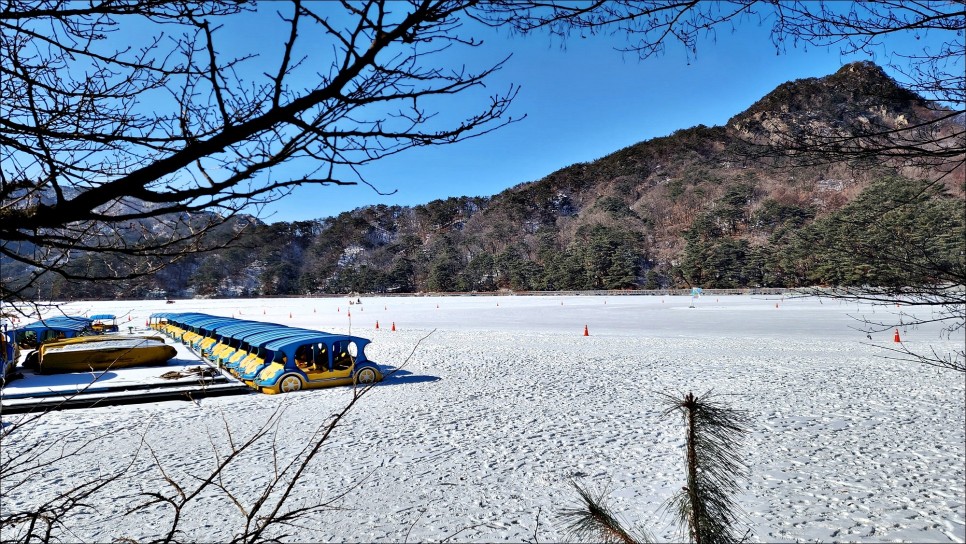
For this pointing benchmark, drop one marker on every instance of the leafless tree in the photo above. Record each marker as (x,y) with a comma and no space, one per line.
(27,453)
(901,309)
(122,121)
(267,513)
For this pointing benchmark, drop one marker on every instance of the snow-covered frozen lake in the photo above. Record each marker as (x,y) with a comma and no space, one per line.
(478,437)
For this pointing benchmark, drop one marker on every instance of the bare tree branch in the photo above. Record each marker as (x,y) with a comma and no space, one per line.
(101,142)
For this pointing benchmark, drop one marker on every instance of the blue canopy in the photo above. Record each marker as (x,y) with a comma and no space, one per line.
(262,339)
(184,319)
(288,345)
(207,328)
(64,323)
(174,317)
(207,322)
(242,328)
(192,320)
(248,335)
(164,315)
(54,327)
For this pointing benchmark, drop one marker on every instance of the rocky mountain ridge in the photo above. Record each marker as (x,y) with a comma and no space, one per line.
(699,206)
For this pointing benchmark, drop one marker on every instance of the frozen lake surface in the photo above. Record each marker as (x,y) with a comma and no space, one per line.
(478,437)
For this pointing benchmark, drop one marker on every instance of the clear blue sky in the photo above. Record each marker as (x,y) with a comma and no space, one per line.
(583,101)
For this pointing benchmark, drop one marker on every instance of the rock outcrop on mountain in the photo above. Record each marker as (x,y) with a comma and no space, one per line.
(857,97)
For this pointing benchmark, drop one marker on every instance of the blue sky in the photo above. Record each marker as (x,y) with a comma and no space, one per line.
(583,100)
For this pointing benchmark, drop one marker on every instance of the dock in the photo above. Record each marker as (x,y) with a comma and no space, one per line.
(185,377)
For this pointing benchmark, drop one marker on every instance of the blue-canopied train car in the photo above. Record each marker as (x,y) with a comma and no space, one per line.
(53,328)
(259,356)
(104,323)
(235,346)
(316,360)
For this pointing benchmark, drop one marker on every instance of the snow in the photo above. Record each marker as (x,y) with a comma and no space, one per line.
(478,436)
(107,344)
(116,382)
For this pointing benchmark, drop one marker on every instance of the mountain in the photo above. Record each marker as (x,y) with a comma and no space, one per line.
(858,95)
(702,206)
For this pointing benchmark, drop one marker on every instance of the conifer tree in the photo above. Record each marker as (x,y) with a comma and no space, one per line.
(705,507)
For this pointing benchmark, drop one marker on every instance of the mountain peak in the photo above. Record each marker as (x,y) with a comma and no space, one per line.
(858,94)
(864,69)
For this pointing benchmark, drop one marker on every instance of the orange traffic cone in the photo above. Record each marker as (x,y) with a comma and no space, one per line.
(895,338)
(377,325)
(586,332)
(393,326)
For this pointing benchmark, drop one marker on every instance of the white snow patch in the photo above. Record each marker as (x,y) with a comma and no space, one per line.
(478,437)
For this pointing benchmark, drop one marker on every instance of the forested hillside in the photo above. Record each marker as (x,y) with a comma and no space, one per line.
(701,207)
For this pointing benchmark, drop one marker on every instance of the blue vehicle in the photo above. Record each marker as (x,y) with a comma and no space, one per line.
(258,356)
(9,355)
(248,369)
(172,324)
(200,327)
(104,323)
(215,333)
(314,360)
(270,357)
(205,333)
(54,328)
(232,346)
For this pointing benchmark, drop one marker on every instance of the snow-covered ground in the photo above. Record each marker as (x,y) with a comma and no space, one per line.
(478,437)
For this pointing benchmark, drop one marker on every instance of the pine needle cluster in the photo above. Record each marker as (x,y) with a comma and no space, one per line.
(705,507)
(715,434)
(593,521)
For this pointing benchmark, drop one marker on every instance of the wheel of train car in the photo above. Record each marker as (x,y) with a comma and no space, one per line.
(289,382)
(366,376)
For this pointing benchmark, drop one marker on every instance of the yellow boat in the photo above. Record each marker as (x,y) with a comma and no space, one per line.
(86,353)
